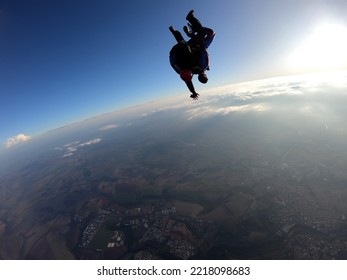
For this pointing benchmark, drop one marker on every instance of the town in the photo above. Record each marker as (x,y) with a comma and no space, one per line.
(143,233)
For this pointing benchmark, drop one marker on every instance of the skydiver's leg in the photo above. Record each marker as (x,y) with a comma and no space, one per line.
(208,36)
(195,23)
(178,36)
(204,61)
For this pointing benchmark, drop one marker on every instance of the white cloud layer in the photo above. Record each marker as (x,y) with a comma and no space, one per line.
(208,111)
(20,138)
(257,96)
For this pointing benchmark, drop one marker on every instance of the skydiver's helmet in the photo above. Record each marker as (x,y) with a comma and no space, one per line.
(186,75)
(203,78)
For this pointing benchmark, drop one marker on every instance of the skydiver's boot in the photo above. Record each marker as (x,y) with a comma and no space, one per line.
(195,23)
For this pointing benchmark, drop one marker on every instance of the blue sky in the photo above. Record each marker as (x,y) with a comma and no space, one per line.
(67,60)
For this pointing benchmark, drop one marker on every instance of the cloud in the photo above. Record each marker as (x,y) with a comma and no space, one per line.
(208,111)
(71,148)
(107,127)
(91,142)
(20,138)
(68,155)
(71,144)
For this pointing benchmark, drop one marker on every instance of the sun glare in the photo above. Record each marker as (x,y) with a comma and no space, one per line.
(325,48)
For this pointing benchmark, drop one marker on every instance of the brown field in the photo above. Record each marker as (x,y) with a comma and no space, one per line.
(187,208)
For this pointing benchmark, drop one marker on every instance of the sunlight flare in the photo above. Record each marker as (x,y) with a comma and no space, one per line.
(325,48)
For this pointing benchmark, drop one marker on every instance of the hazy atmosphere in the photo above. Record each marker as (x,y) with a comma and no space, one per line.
(64,61)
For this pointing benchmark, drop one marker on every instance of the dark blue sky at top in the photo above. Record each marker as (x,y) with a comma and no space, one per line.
(63,53)
(62,61)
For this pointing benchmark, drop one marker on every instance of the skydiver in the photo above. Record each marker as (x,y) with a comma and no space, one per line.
(183,60)
(189,58)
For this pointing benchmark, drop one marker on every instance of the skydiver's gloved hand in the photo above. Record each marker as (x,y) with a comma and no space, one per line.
(186,75)
(188,32)
(195,96)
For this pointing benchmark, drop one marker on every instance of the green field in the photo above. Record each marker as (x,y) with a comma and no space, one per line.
(103,235)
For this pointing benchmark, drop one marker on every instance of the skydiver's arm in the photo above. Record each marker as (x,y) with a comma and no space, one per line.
(178,36)
(191,88)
